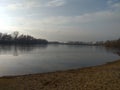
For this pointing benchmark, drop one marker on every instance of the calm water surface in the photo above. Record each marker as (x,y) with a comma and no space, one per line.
(19,60)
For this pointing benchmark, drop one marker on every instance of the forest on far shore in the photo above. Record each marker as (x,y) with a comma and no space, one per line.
(16,38)
(113,43)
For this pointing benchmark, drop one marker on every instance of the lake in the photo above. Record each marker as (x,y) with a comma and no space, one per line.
(20,60)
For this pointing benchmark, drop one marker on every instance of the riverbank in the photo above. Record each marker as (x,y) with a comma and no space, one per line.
(103,77)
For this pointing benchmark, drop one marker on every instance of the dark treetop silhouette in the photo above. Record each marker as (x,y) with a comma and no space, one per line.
(113,43)
(16,38)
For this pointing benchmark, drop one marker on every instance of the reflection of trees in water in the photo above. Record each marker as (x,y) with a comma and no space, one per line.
(78,46)
(118,53)
(97,48)
(19,49)
(114,50)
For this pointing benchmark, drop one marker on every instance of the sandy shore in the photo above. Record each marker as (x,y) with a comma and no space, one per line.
(103,77)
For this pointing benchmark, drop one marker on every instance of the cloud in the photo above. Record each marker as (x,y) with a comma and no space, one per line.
(114,4)
(55,3)
(109,2)
(28,4)
(63,21)
(24,5)
(86,18)
(85,24)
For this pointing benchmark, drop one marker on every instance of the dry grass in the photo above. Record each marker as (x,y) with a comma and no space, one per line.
(104,77)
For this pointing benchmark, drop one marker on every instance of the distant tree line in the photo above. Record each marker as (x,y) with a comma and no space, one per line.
(78,43)
(16,38)
(108,43)
(113,43)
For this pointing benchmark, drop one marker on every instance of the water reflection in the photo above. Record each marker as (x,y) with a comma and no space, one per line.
(16,60)
(113,50)
(16,50)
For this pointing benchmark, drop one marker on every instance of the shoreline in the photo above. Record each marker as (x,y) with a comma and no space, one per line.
(88,67)
(100,77)
(81,68)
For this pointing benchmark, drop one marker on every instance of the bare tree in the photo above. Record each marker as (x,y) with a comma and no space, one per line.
(15,35)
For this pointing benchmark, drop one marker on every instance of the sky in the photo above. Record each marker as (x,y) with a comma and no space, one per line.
(62,20)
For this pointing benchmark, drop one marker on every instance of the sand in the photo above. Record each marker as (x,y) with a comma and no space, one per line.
(102,77)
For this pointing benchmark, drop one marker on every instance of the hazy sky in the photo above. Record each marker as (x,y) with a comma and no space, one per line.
(63,20)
